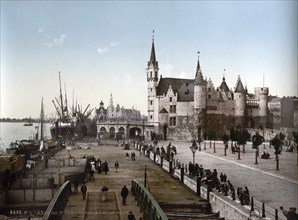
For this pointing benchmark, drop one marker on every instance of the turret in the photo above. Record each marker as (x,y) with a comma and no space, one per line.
(199,89)
(240,98)
(152,79)
(200,98)
(262,95)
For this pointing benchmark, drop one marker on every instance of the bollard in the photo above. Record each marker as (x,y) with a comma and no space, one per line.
(199,185)
(252,204)
(182,175)
(161,161)
(277,162)
(214,151)
(204,145)
(263,210)
(171,167)
(239,154)
(233,191)
(276,214)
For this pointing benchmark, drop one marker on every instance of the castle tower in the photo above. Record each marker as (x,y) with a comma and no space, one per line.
(263,101)
(200,97)
(152,80)
(240,104)
(240,99)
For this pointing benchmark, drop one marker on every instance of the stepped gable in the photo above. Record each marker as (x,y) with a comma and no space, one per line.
(183,87)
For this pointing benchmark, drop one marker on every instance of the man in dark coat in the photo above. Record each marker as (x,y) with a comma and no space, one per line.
(124,194)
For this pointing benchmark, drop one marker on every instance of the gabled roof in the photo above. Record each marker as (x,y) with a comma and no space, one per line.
(183,87)
(163,111)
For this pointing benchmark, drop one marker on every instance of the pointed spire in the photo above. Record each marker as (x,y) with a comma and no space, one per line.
(239,86)
(199,76)
(152,56)
(224,76)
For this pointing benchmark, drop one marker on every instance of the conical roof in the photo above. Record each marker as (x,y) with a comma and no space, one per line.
(239,86)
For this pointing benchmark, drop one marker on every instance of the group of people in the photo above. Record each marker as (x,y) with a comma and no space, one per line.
(221,184)
(132,154)
(98,165)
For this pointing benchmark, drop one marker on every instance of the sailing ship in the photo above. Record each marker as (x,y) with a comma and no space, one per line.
(28,123)
(68,124)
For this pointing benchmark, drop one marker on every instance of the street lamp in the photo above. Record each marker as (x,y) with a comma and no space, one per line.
(193,149)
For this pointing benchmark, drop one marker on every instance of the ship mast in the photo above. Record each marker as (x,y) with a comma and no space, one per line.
(61,98)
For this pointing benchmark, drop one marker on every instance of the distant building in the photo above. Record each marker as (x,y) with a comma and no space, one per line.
(285,112)
(114,122)
(184,109)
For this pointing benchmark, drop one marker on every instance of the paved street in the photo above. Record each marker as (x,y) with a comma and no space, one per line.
(266,184)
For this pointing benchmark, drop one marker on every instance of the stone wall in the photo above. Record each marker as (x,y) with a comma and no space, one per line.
(30,195)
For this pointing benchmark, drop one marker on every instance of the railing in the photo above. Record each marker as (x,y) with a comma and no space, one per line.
(149,206)
(58,203)
(259,208)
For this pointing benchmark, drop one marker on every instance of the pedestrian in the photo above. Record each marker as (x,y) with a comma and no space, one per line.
(246,196)
(84,190)
(92,171)
(127,156)
(116,165)
(131,216)
(291,214)
(124,194)
(76,186)
(104,193)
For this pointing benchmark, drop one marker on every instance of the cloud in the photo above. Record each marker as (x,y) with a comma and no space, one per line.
(102,50)
(59,41)
(40,30)
(169,70)
(114,44)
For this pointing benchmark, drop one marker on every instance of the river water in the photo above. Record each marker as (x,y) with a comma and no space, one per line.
(12,131)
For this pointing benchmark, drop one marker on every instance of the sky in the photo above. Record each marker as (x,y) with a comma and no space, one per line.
(102,48)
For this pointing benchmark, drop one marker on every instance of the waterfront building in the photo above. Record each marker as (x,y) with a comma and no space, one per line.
(114,122)
(285,112)
(184,109)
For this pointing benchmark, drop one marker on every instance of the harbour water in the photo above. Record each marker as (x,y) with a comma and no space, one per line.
(12,131)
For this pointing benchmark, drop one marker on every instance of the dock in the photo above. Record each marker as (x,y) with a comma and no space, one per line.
(175,199)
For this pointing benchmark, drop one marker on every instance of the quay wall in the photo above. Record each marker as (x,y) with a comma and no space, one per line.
(218,204)
(30,195)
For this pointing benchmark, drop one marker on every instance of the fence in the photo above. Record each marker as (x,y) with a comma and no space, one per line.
(58,203)
(150,208)
(255,208)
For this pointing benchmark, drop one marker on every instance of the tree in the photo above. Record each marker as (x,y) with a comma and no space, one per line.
(233,135)
(277,142)
(242,138)
(295,138)
(225,138)
(257,140)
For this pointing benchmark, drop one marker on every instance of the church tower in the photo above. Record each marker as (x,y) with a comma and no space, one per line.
(200,97)
(152,80)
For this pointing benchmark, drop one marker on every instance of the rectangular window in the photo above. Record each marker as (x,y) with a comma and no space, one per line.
(170,99)
(150,102)
(172,108)
(172,121)
(150,116)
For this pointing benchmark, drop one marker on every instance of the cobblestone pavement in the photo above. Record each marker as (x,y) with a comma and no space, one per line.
(266,184)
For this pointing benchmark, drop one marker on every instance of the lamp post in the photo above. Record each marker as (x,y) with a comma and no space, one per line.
(193,149)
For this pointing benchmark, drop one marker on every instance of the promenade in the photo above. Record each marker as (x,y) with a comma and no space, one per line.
(167,191)
(266,184)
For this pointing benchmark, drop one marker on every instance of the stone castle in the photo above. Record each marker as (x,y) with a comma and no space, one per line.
(185,109)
